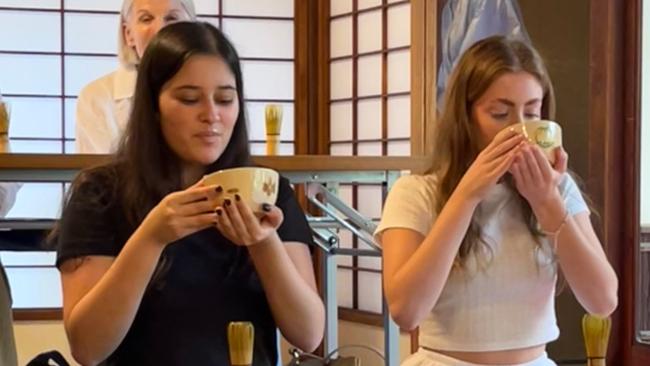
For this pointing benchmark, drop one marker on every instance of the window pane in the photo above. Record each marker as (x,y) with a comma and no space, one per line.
(70,117)
(399,71)
(341,37)
(370,199)
(35,287)
(270,8)
(30,31)
(285,149)
(370,29)
(80,70)
(341,121)
(370,291)
(35,117)
(37,201)
(36,147)
(30,74)
(344,287)
(399,116)
(32,4)
(369,70)
(369,149)
(106,5)
(341,150)
(208,7)
(369,119)
(268,80)
(341,79)
(399,148)
(340,6)
(364,4)
(399,25)
(261,38)
(103,28)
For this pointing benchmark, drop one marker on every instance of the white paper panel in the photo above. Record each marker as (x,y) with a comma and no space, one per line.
(107,5)
(370,294)
(369,31)
(394,1)
(369,118)
(256,124)
(364,4)
(268,80)
(28,258)
(260,149)
(213,21)
(261,38)
(36,147)
(369,149)
(370,262)
(399,148)
(341,37)
(399,116)
(32,4)
(399,25)
(35,287)
(341,121)
(30,31)
(37,200)
(80,70)
(103,28)
(70,147)
(270,8)
(340,6)
(70,117)
(341,79)
(345,236)
(341,150)
(369,70)
(30,74)
(344,287)
(399,71)
(207,7)
(370,201)
(35,117)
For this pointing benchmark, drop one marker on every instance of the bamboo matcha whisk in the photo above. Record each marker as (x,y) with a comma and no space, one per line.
(241,336)
(273,121)
(595,331)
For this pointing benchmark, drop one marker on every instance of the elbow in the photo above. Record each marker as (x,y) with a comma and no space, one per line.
(605,307)
(83,357)
(404,318)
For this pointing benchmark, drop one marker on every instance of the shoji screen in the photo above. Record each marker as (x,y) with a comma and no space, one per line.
(49,49)
(369,115)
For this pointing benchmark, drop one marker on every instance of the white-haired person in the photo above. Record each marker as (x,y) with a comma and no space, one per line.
(104,104)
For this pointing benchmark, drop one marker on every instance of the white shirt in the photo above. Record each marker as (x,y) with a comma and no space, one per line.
(502,299)
(103,110)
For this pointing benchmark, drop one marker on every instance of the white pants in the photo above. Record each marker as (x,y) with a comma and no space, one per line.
(428,358)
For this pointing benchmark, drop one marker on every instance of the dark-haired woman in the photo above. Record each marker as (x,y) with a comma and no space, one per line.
(151,273)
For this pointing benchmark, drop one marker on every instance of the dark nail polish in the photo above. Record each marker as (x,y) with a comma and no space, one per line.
(266,207)
(219,189)
(226,202)
(218,211)
(237,198)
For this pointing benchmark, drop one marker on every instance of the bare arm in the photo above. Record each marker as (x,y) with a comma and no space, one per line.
(287,275)
(416,268)
(101,297)
(583,261)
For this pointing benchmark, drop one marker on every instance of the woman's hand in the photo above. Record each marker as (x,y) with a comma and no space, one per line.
(490,165)
(180,214)
(237,222)
(537,181)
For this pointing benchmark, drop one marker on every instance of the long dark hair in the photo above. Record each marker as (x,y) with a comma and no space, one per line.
(147,166)
(145,169)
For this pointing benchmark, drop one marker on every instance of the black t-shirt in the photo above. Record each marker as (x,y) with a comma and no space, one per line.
(207,282)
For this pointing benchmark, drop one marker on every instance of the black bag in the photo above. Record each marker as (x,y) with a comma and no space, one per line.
(44,359)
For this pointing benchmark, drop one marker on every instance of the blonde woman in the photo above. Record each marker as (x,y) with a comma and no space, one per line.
(472,250)
(104,104)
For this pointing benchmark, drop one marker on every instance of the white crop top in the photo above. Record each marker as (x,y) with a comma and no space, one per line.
(505,301)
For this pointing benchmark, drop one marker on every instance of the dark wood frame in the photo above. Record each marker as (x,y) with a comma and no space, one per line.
(614,157)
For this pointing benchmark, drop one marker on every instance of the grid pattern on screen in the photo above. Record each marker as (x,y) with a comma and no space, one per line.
(51,49)
(369,115)
(47,56)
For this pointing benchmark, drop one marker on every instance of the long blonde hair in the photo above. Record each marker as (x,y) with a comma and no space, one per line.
(456,143)
(126,55)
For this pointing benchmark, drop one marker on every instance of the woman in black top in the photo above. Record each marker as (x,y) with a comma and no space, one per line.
(151,274)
